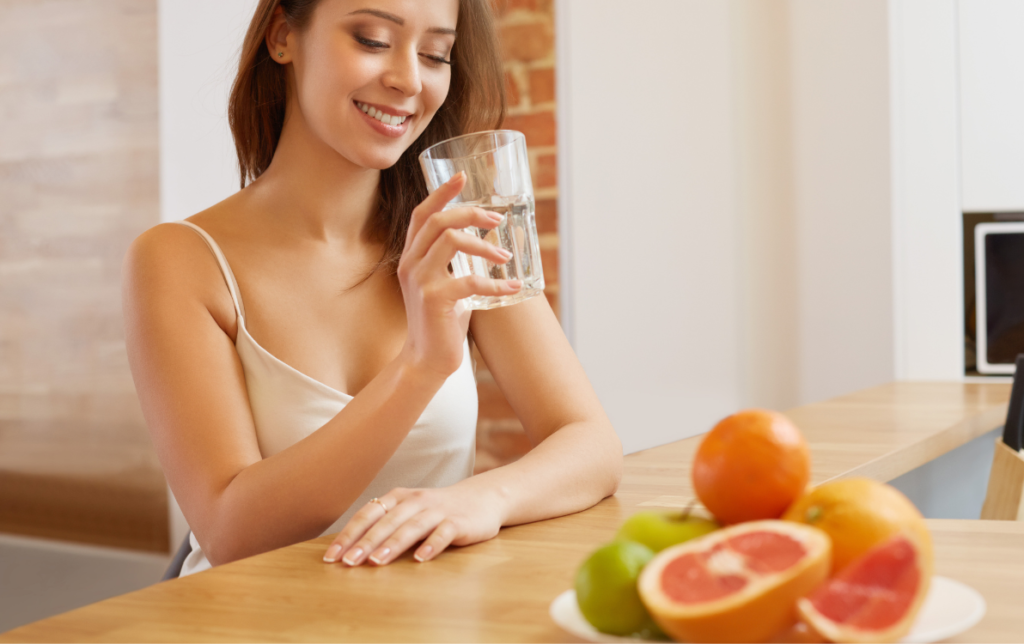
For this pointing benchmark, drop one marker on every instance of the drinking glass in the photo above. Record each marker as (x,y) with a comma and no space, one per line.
(497,179)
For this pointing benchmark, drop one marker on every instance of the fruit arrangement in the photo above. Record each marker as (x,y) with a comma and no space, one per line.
(846,561)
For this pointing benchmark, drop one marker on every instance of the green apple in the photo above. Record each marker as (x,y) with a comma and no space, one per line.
(606,590)
(660,529)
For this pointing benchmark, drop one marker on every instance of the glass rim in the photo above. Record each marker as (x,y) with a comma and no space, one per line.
(518,136)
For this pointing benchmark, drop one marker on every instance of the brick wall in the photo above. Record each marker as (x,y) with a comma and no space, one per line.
(528,43)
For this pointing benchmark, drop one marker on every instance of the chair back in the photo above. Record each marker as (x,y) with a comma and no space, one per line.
(174,569)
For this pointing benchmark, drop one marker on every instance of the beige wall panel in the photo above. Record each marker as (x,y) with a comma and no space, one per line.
(78,181)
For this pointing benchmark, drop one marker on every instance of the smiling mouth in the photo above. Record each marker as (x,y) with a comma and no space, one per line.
(386,119)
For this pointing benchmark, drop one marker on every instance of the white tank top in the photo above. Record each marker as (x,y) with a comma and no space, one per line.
(287,405)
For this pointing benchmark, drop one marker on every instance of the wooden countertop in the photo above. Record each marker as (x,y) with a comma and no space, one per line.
(500,590)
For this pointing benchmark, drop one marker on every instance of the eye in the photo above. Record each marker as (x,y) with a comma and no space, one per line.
(437,60)
(372,44)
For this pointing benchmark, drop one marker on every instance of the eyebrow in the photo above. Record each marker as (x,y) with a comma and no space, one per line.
(398,20)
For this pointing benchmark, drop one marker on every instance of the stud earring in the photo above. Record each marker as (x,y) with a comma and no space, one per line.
(280,54)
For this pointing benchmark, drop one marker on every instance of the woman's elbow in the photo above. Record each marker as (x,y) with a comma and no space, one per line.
(613,469)
(220,549)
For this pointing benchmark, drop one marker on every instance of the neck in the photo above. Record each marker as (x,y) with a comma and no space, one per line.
(313,191)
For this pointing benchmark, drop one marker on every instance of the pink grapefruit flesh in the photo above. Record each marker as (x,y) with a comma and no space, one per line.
(739,584)
(875,598)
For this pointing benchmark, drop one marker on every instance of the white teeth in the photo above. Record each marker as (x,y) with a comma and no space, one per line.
(386,119)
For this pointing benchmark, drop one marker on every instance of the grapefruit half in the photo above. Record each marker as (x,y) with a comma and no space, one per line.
(739,584)
(875,598)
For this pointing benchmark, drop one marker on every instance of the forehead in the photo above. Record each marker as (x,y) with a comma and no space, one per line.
(416,14)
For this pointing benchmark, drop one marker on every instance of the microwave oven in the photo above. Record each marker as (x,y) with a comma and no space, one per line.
(999,293)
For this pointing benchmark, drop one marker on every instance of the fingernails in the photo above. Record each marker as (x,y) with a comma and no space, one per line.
(352,556)
(332,553)
(461,173)
(514,285)
(423,553)
(380,556)
(505,254)
(495,217)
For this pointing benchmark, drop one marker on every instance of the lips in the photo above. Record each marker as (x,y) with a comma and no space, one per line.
(380,115)
(384,120)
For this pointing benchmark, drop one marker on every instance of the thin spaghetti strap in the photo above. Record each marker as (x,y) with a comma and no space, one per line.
(225,268)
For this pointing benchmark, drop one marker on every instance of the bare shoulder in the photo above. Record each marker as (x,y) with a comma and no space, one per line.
(170,265)
(167,254)
(176,252)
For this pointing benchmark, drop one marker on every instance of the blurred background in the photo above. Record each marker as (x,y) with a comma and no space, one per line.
(740,202)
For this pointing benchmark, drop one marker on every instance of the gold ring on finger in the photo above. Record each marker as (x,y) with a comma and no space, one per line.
(380,503)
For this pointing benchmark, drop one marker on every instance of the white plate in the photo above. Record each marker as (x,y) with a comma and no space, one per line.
(950,609)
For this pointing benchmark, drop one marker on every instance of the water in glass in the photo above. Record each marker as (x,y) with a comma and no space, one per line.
(517,233)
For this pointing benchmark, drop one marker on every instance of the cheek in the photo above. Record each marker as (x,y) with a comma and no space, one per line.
(329,72)
(434,94)
(327,79)
(435,91)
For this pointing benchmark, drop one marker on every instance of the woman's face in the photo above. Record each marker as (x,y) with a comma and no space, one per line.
(370,74)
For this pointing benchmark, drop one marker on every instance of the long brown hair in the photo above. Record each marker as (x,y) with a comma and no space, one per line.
(476,101)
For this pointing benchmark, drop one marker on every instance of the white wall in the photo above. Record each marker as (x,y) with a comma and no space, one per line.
(200,42)
(767,219)
(646,123)
(992,102)
(840,76)
(927,226)
(739,252)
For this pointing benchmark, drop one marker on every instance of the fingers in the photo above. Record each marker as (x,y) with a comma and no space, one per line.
(435,227)
(434,202)
(359,524)
(456,289)
(438,540)
(413,530)
(378,532)
(452,240)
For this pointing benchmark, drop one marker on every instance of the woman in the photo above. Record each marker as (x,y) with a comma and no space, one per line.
(299,348)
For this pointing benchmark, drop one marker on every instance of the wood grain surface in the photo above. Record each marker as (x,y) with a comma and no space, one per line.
(501,590)
(1003,499)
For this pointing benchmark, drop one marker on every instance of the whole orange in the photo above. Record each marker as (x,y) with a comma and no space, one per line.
(751,466)
(859,514)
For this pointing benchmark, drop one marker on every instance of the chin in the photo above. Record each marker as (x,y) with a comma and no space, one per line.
(378,161)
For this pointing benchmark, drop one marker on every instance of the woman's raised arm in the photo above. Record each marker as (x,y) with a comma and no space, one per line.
(577,458)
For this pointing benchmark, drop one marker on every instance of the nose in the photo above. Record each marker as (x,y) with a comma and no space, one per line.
(403,73)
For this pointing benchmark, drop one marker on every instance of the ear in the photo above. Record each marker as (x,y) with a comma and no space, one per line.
(279,38)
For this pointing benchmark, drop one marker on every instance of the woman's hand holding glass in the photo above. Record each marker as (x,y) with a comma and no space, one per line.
(437,323)
(464,513)
(381,531)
